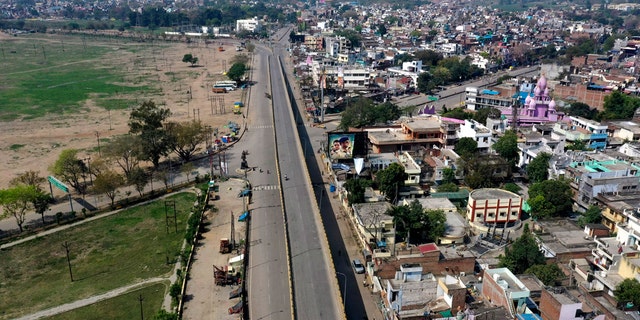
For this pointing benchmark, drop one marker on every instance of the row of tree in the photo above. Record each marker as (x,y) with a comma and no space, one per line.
(617,105)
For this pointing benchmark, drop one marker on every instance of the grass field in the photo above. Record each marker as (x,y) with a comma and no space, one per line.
(57,75)
(107,253)
(126,306)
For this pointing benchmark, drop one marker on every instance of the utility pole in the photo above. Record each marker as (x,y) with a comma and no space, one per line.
(98,138)
(141,312)
(322,81)
(65,245)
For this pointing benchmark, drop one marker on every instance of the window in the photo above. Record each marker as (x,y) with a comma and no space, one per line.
(503,214)
(514,213)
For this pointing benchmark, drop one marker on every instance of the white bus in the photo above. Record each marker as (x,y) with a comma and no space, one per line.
(227,82)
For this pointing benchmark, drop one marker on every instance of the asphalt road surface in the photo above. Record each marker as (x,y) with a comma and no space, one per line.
(315,289)
(268,274)
(454,95)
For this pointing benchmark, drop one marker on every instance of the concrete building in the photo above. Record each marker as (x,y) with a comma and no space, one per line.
(252,25)
(559,303)
(592,133)
(476,99)
(493,206)
(610,176)
(478,132)
(375,228)
(504,289)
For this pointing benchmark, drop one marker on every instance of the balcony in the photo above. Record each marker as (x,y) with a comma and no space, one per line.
(381,253)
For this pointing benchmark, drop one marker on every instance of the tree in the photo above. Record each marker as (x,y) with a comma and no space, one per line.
(448,187)
(356,189)
(41,202)
(30,178)
(413,220)
(236,72)
(391,180)
(147,121)
(69,169)
(580,109)
(250,46)
(16,201)
(466,147)
(522,253)
(549,274)
(425,83)
(507,147)
(592,215)
(617,105)
(186,137)
(628,291)
(240,58)
(448,175)
(108,183)
(364,113)
(550,198)
(484,113)
(190,59)
(126,151)
(382,30)
(139,178)
(512,187)
(538,168)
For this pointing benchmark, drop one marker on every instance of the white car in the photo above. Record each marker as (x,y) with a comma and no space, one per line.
(358,266)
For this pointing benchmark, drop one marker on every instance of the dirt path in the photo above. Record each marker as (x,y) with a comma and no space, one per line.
(91,300)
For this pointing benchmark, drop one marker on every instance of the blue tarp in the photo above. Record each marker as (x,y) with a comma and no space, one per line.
(244,193)
(244,216)
(490,92)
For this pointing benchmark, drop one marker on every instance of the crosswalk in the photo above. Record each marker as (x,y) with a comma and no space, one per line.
(265,187)
(261,127)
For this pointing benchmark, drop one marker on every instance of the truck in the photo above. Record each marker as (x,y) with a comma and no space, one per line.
(219,90)
(225,245)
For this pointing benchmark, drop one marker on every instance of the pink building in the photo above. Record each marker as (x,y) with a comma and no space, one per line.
(538,107)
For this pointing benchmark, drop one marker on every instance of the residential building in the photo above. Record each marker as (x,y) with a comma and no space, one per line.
(411,168)
(504,289)
(476,99)
(252,25)
(560,303)
(374,227)
(562,240)
(625,130)
(478,132)
(609,176)
(592,133)
(493,206)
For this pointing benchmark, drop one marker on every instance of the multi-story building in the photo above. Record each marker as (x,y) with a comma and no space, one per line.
(476,99)
(560,303)
(625,130)
(491,206)
(314,42)
(592,133)
(595,177)
(252,25)
(478,132)
(504,289)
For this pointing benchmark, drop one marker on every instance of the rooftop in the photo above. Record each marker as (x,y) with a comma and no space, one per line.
(492,193)
(436,203)
(423,124)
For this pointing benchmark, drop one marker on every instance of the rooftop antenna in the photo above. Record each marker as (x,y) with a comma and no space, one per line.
(514,112)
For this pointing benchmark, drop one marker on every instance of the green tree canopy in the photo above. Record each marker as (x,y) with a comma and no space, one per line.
(189,58)
(538,168)
(522,253)
(484,113)
(628,291)
(356,189)
(549,274)
(466,147)
(69,169)
(592,215)
(617,105)
(17,201)
(391,180)
(363,112)
(125,150)
(413,222)
(425,85)
(580,109)
(147,121)
(507,147)
(107,183)
(237,71)
(550,198)
(448,187)
(187,137)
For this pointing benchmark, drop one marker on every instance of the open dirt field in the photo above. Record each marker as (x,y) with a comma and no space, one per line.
(185,90)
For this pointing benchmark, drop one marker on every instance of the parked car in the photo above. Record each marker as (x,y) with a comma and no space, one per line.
(358,266)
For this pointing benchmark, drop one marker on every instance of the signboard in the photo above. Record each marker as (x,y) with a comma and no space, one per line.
(58,184)
(341,145)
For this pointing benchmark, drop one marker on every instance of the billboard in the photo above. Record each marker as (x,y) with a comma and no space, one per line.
(341,145)
(346,145)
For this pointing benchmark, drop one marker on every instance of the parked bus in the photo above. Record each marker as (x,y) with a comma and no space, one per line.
(229,87)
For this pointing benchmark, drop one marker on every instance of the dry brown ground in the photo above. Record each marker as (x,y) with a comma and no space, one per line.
(45,138)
